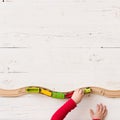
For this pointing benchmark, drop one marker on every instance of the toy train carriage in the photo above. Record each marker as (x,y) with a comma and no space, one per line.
(54,94)
(34,90)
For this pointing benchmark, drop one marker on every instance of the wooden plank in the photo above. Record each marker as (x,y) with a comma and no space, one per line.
(61,45)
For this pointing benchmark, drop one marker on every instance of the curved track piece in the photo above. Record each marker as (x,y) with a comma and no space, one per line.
(56,94)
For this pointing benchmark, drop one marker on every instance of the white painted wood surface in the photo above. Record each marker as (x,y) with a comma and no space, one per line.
(61,45)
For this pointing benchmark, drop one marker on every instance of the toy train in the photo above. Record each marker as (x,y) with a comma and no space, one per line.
(53,94)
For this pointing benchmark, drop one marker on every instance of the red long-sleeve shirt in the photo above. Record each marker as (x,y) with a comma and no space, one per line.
(64,110)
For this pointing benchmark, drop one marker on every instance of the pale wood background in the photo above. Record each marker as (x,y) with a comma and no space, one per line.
(61,45)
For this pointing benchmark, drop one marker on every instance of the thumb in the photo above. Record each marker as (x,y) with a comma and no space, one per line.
(91,112)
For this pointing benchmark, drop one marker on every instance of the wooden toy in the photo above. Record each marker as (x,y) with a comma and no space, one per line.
(56,94)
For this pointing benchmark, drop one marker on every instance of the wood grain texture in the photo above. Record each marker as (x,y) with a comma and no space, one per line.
(61,45)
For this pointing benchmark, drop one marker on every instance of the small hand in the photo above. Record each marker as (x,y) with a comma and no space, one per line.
(77,95)
(100,112)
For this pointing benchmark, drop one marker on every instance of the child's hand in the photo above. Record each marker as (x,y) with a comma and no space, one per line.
(77,95)
(100,113)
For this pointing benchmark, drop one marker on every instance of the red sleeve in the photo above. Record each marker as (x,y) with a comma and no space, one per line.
(96,119)
(64,110)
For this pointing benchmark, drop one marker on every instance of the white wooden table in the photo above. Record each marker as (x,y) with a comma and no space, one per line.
(61,45)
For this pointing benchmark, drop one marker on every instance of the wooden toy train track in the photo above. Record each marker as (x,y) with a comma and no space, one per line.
(59,95)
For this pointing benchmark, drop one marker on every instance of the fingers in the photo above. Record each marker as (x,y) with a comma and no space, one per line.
(102,109)
(77,95)
(105,113)
(79,91)
(98,107)
(91,112)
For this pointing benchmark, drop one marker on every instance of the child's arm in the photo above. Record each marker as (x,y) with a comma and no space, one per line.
(64,110)
(68,106)
(77,96)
